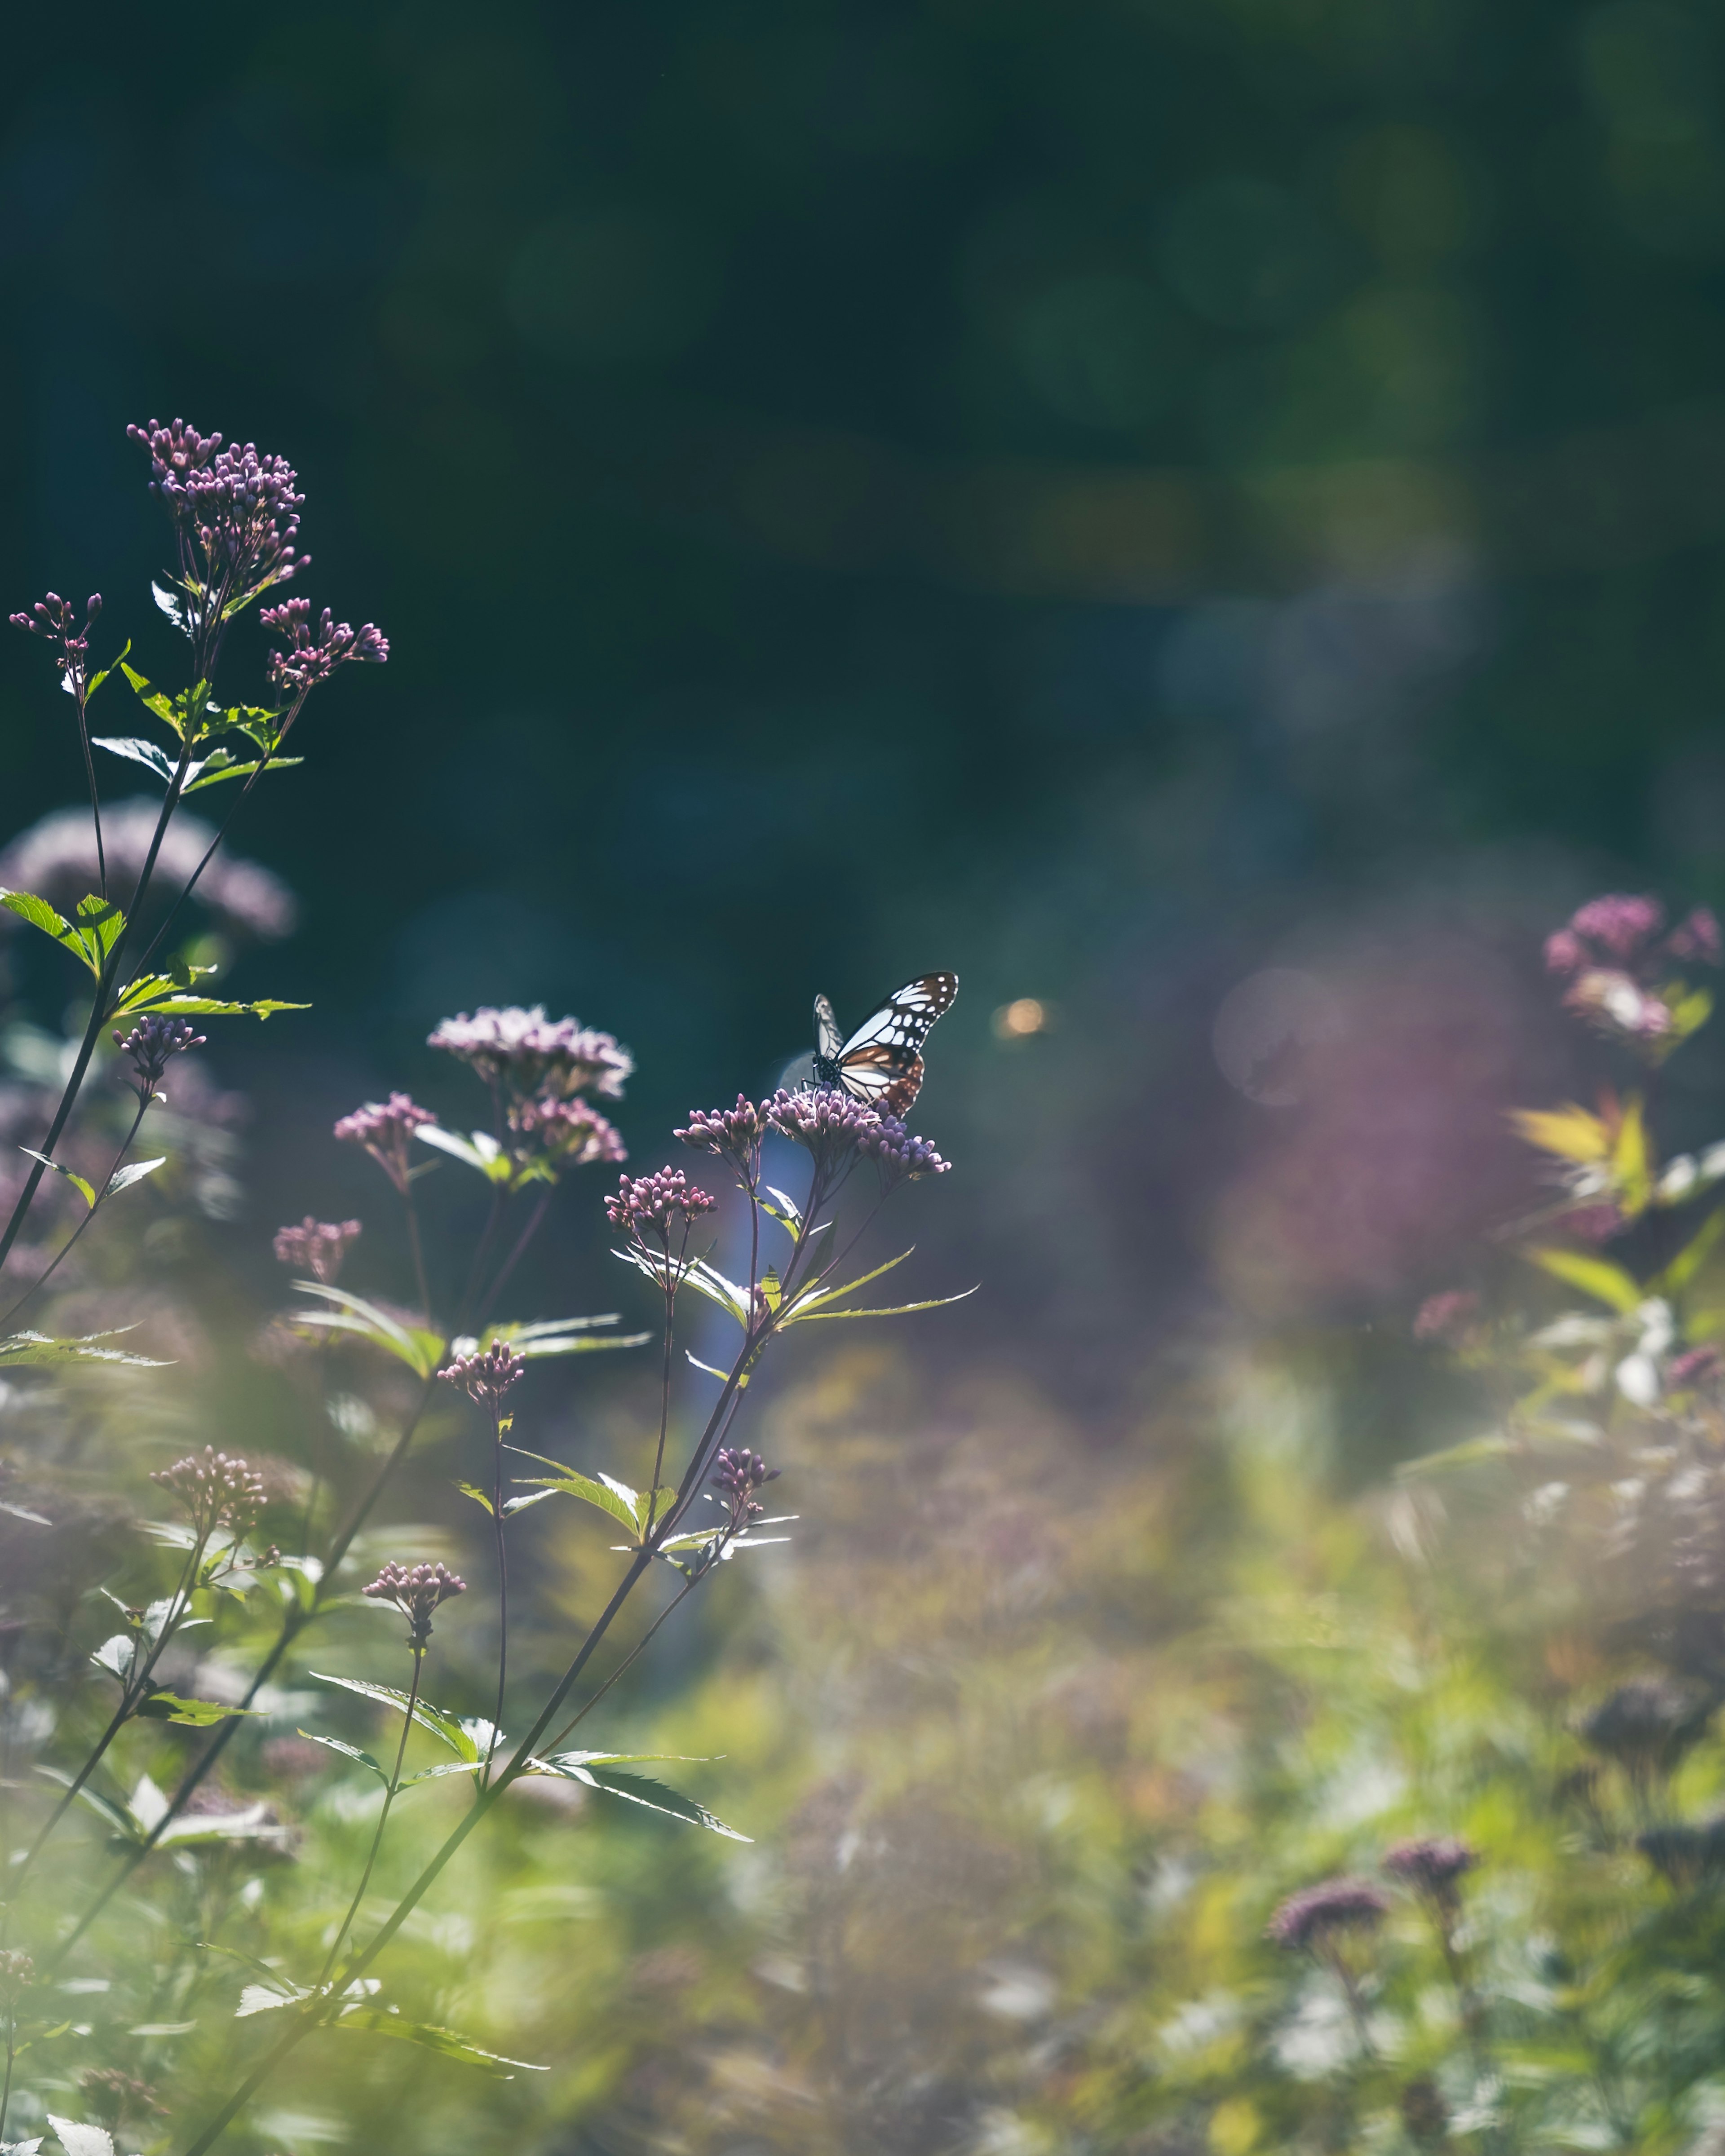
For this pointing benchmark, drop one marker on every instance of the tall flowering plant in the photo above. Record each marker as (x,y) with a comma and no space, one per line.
(217,1604)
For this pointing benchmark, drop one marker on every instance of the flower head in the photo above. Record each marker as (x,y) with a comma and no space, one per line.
(1618,964)
(311,657)
(57,858)
(416,1590)
(236,511)
(115,2097)
(1621,925)
(485,1377)
(730,1134)
(316,1246)
(839,1132)
(1696,939)
(1646,1726)
(654,1204)
(1696,1369)
(152,1043)
(1306,1922)
(386,1129)
(529,1053)
(737,1476)
(1431,1866)
(1446,1316)
(556,1133)
(56,620)
(217,1489)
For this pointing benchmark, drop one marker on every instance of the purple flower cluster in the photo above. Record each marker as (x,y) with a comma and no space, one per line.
(1696,1369)
(654,1204)
(1446,1316)
(218,1489)
(57,858)
(729,1134)
(1614,957)
(1306,1922)
(115,2097)
(838,1131)
(416,1590)
(737,1476)
(151,1045)
(316,1246)
(528,1053)
(236,507)
(563,1133)
(1431,1866)
(56,620)
(386,1129)
(487,1377)
(310,657)
(1646,1725)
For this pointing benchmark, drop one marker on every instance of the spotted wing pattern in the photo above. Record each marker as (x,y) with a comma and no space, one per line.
(881,1062)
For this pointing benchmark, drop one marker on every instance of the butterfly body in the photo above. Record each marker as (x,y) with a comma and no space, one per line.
(881,1062)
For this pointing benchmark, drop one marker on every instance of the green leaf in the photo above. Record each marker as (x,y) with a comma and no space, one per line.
(814,1296)
(420,1350)
(77,1182)
(163,992)
(154,758)
(552,1335)
(220,765)
(37,1348)
(96,680)
(265,1997)
(697,1273)
(89,935)
(82,2140)
(481,1150)
(116,1655)
(634,1789)
(895,1310)
(187,713)
(386,2021)
(479,1496)
(124,1178)
(456,1731)
(1492,1445)
(1598,1277)
(190,1713)
(446,1767)
(1694,1255)
(347,1751)
(616,1498)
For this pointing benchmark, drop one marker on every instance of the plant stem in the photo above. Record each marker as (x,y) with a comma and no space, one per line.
(95,811)
(43,1278)
(364,1877)
(497,1523)
(11,2054)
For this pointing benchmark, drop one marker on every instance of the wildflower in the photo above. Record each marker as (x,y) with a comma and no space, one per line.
(316,1246)
(1447,1316)
(386,1129)
(56,620)
(529,1053)
(57,858)
(218,1491)
(487,1377)
(1695,1369)
(1617,964)
(838,1131)
(737,1475)
(1646,1726)
(235,509)
(310,659)
(17,1972)
(654,1202)
(730,1134)
(562,1133)
(1431,1866)
(416,1590)
(153,1042)
(1306,1922)
(115,2097)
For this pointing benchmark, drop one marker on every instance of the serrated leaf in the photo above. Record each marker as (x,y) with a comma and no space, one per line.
(444,1766)
(636,1790)
(478,1496)
(218,767)
(386,2021)
(815,1296)
(481,1151)
(456,1731)
(418,1349)
(89,937)
(616,1498)
(895,1309)
(135,1172)
(189,1714)
(116,1655)
(37,1349)
(265,1997)
(77,1182)
(161,992)
(154,759)
(347,1751)
(1599,1277)
(82,2140)
(724,1376)
(555,1336)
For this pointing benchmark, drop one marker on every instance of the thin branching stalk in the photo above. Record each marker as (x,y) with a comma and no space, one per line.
(499,1524)
(65,1250)
(389,1795)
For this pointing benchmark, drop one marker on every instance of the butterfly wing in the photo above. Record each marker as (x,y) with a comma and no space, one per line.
(881,1062)
(829,1041)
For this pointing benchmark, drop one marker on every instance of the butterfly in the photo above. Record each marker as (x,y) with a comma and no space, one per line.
(881,1062)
